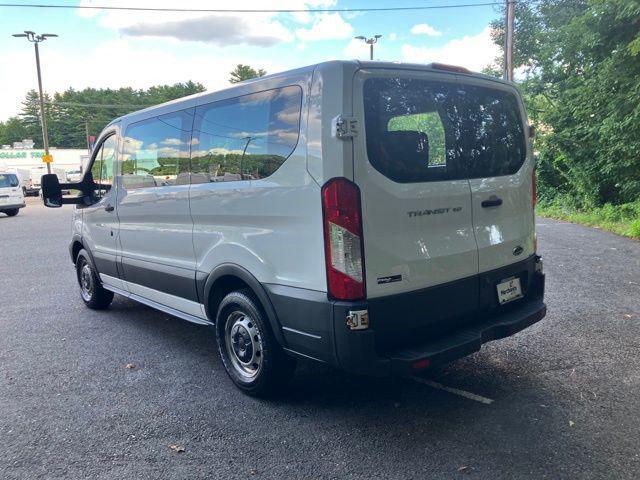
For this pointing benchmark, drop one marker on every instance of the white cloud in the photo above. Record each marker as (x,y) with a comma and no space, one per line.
(425,29)
(473,52)
(223,28)
(356,49)
(142,63)
(393,36)
(216,29)
(326,26)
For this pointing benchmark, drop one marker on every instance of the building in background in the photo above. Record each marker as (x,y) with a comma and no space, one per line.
(21,158)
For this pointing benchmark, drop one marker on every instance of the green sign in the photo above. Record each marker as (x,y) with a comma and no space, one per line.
(13,154)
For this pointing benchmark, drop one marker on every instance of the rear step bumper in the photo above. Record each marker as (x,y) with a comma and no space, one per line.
(434,325)
(468,340)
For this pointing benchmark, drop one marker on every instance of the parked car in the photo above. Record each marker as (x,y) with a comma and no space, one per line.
(74,176)
(11,197)
(376,217)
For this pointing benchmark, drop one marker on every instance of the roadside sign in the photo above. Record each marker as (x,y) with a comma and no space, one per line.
(47,158)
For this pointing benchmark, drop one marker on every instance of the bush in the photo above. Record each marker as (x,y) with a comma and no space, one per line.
(621,219)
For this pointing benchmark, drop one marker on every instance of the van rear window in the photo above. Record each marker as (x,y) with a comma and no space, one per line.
(421,131)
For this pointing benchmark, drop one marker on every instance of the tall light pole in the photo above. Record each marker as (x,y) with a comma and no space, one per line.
(369,41)
(36,39)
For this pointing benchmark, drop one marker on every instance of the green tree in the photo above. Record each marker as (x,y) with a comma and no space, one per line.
(13,130)
(581,60)
(245,72)
(70,112)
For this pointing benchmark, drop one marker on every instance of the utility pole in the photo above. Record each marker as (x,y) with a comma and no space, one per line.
(86,134)
(36,39)
(369,41)
(508,40)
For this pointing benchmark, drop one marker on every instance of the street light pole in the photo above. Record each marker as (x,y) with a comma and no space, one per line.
(369,41)
(36,39)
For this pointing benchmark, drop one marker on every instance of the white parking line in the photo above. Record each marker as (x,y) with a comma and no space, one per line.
(455,391)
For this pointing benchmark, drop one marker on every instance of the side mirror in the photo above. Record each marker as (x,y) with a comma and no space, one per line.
(51,191)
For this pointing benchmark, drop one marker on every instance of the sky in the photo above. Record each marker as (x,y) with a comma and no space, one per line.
(113,49)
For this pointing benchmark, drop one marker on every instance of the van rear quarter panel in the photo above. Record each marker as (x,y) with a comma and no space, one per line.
(272,227)
(330,96)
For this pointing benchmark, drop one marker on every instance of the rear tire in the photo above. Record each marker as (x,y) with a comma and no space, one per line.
(252,357)
(92,292)
(13,212)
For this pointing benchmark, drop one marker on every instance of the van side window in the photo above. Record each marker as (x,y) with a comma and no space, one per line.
(245,138)
(156,151)
(102,168)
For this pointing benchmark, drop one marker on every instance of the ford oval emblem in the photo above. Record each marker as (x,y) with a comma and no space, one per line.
(518,250)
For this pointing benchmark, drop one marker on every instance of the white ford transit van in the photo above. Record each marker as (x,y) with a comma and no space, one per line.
(11,197)
(376,217)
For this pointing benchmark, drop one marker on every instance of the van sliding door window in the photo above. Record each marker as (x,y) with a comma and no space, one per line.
(156,151)
(421,131)
(247,137)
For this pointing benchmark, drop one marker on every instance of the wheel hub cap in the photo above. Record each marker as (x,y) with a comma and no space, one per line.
(86,282)
(244,344)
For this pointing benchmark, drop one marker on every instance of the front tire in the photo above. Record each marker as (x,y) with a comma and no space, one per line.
(252,357)
(92,292)
(13,212)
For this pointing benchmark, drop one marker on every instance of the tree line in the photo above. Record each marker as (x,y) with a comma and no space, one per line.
(580,60)
(70,114)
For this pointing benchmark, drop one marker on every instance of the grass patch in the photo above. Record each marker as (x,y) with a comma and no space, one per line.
(621,219)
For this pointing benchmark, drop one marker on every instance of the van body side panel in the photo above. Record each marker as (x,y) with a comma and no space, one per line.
(153,204)
(271,226)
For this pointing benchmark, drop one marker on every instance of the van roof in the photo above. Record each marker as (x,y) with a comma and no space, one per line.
(355,64)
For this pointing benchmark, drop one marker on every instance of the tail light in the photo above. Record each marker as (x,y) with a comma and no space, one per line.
(343,239)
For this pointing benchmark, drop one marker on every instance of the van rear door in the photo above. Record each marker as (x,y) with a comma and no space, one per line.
(500,170)
(416,197)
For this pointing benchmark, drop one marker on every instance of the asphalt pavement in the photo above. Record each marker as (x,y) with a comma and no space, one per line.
(133,393)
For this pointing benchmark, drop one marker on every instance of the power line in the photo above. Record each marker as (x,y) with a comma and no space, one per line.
(251,10)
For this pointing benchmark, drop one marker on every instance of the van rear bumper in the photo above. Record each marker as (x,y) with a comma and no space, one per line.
(434,326)
(411,360)
(12,206)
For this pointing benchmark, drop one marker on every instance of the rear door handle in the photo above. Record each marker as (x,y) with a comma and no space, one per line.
(109,208)
(491,202)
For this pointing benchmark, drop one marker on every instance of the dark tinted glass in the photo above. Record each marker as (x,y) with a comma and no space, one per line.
(246,137)
(419,131)
(156,151)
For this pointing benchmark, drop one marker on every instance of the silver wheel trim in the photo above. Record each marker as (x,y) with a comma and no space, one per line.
(85,277)
(243,344)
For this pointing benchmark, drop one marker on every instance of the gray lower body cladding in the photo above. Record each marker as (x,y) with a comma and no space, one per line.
(440,323)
